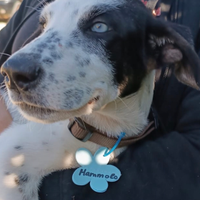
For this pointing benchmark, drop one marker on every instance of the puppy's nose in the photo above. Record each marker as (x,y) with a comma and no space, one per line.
(21,72)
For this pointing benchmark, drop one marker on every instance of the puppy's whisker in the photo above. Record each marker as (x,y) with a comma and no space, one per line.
(35,9)
(3,86)
(124,103)
(43,3)
(5,54)
(115,105)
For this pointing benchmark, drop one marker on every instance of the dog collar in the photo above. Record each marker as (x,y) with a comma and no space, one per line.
(85,132)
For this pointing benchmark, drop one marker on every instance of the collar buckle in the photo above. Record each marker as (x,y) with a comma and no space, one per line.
(81,124)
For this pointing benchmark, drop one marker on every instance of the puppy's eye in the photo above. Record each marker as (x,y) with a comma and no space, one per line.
(100,28)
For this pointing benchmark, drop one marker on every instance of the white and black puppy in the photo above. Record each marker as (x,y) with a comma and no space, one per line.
(95,60)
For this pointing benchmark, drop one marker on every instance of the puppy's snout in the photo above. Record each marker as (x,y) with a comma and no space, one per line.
(21,72)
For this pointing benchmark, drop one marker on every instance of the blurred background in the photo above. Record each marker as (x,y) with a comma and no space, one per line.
(7,9)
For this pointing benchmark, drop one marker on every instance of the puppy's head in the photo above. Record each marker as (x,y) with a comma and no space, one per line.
(90,53)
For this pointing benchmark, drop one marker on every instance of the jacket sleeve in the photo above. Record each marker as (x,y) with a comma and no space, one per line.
(178,152)
(162,166)
(7,34)
(167,165)
(9,30)
(170,162)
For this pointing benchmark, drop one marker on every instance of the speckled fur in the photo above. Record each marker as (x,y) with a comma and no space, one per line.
(74,71)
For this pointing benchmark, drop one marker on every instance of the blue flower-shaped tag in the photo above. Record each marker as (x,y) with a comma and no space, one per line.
(95,170)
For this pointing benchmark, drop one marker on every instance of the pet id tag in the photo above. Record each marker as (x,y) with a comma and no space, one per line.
(94,170)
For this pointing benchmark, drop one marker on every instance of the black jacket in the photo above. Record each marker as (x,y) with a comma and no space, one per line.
(165,165)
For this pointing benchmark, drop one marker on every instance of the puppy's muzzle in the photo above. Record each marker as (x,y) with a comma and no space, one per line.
(21,73)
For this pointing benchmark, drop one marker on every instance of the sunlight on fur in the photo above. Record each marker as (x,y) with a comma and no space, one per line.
(9,181)
(68,160)
(18,161)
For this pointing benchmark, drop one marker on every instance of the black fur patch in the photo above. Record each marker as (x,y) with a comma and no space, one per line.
(55,55)
(82,74)
(82,62)
(68,45)
(124,44)
(48,61)
(18,147)
(71,78)
(72,96)
(22,179)
(68,104)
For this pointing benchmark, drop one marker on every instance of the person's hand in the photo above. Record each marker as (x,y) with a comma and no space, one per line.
(5,117)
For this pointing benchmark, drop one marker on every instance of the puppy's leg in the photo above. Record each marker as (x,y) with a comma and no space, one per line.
(28,152)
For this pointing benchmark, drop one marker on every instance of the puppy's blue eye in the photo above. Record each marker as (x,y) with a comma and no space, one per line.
(99,28)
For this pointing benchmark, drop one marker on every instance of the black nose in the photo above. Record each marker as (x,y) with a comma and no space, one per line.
(21,72)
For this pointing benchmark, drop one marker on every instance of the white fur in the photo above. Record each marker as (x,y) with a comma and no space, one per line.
(31,150)
(51,147)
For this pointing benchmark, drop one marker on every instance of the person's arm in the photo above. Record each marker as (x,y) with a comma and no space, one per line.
(7,36)
(8,33)
(5,117)
(161,166)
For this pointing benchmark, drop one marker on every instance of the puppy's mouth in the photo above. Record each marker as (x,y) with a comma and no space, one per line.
(95,99)
(39,113)
(32,110)
(25,104)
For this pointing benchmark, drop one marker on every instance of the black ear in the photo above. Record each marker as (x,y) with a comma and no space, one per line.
(167,44)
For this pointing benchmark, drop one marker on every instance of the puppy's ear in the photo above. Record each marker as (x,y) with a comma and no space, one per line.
(166,44)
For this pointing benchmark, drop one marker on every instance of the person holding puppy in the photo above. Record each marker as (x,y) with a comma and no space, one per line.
(164,166)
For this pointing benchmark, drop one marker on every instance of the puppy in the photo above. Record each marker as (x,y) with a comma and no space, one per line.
(96,61)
